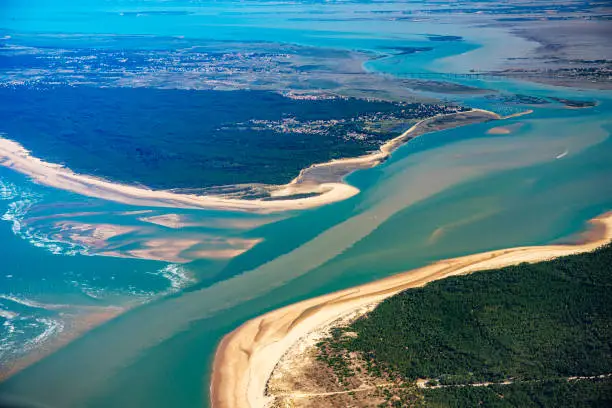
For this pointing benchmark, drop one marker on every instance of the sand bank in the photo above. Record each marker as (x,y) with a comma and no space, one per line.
(16,157)
(246,358)
(323,182)
(500,130)
(91,235)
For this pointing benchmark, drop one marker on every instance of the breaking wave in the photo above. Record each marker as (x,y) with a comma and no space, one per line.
(23,330)
(22,201)
(27,324)
(8,191)
(178,276)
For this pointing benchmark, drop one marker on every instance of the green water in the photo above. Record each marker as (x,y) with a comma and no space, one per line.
(445,194)
(488,192)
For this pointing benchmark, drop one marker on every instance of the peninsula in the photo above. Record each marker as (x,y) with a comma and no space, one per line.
(312,188)
(247,358)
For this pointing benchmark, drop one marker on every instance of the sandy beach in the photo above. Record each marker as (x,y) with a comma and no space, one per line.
(335,170)
(16,157)
(246,358)
(324,181)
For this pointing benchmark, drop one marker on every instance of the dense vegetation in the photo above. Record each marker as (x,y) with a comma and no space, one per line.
(534,325)
(557,394)
(191,139)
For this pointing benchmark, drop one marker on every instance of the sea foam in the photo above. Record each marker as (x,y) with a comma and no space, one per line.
(27,324)
(22,332)
(22,201)
(178,276)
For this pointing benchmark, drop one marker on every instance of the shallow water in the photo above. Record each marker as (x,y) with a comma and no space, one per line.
(441,195)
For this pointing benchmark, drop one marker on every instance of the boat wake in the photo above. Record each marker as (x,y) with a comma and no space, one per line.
(562,155)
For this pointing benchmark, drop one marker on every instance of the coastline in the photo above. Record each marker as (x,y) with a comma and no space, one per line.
(246,358)
(323,179)
(16,157)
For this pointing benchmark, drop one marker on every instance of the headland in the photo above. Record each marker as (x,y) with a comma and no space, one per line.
(246,358)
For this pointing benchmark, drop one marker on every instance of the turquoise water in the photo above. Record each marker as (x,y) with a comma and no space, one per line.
(445,194)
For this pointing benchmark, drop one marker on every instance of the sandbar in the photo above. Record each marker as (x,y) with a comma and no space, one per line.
(246,358)
(500,130)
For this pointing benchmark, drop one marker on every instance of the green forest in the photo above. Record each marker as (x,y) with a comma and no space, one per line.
(552,393)
(532,325)
(169,138)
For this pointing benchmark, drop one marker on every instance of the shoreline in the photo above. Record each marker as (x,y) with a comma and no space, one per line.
(348,165)
(15,157)
(323,179)
(246,358)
